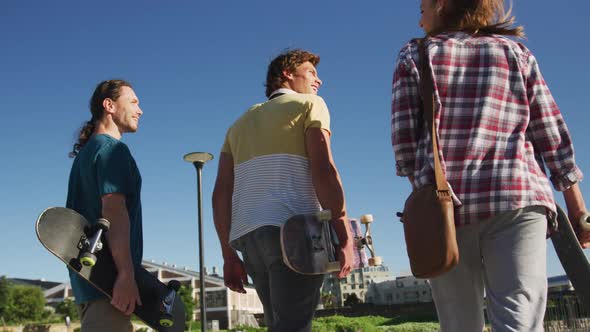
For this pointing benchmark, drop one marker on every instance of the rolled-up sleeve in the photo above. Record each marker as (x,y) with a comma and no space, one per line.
(548,131)
(405,106)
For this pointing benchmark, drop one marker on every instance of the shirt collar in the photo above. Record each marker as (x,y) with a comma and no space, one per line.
(283,91)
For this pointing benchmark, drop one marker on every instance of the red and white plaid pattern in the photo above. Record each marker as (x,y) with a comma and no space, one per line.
(498,125)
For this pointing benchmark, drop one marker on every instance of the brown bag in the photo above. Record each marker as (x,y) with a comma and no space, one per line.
(428,217)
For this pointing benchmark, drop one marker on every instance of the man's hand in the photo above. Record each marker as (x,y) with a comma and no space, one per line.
(346,258)
(234,274)
(125,294)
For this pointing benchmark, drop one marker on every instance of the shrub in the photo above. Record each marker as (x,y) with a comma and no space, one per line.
(36,328)
(348,324)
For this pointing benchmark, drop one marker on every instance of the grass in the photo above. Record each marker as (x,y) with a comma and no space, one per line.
(348,324)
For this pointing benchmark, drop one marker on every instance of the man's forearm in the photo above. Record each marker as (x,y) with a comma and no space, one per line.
(118,237)
(330,193)
(222,220)
(222,200)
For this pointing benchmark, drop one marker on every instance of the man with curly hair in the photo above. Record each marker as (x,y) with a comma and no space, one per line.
(276,162)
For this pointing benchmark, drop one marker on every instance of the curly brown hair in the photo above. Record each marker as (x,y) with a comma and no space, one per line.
(106,89)
(289,61)
(479,16)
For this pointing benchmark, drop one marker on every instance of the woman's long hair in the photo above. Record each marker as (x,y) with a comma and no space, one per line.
(478,16)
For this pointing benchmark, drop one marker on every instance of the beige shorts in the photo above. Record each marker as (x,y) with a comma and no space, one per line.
(100,315)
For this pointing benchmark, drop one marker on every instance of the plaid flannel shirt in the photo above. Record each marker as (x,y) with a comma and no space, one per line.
(498,126)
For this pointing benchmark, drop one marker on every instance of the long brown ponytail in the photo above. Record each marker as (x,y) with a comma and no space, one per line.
(105,89)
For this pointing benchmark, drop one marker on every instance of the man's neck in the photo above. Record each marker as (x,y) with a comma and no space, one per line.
(108,128)
(282,91)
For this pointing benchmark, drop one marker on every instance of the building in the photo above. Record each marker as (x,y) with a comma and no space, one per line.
(228,308)
(357,282)
(401,290)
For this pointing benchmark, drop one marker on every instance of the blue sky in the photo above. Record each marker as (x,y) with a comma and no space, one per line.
(196,66)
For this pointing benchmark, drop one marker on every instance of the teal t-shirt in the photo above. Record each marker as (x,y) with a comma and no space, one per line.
(104,166)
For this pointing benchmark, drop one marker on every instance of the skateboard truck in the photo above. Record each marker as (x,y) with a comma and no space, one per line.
(328,232)
(91,243)
(367,240)
(167,305)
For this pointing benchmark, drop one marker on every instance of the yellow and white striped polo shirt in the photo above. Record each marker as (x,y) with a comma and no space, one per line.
(272,179)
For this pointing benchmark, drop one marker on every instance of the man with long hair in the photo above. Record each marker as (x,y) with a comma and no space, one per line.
(499,130)
(105,183)
(275,163)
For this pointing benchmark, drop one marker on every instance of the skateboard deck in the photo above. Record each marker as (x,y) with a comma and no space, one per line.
(309,243)
(84,249)
(571,255)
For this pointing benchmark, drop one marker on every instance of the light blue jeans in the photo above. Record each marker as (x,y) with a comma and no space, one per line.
(506,255)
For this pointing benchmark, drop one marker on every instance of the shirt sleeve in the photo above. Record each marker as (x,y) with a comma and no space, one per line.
(548,132)
(114,170)
(225,148)
(405,108)
(318,115)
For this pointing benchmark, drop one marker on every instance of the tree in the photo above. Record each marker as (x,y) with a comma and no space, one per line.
(67,308)
(4,296)
(328,300)
(351,299)
(25,303)
(186,295)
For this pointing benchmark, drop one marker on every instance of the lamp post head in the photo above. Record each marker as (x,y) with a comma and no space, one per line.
(198,158)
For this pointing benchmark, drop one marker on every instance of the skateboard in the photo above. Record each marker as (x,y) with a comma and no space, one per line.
(309,243)
(84,249)
(571,255)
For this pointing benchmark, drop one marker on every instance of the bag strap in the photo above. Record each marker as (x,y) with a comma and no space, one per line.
(427,89)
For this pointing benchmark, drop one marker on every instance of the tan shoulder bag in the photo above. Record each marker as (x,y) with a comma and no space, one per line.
(428,217)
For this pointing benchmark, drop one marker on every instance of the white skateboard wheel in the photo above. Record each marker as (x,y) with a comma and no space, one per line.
(366,218)
(376,261)
(585,222)
(325,215)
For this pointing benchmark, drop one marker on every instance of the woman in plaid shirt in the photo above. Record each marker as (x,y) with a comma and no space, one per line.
(499,131)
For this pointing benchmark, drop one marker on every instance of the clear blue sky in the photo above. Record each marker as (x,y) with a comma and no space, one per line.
(196,66)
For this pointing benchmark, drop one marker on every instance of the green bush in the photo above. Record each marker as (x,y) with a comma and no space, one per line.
(36,328)
(348,324)
(413,318)
(193,326)
(67,308)
(24,303)
(413,327)
(243,328)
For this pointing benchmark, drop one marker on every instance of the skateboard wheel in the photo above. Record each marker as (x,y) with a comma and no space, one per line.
(366,218)
(75,264)
(166,320)
(325,215)
(174,284)
(376,261)
(585,222)
(88,259)
(103,224)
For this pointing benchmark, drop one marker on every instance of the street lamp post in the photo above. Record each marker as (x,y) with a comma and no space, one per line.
(198,159)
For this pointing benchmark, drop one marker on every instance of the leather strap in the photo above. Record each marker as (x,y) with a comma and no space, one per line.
(427,89)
